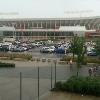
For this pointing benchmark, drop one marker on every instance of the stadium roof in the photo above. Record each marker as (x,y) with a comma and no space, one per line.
(56,18)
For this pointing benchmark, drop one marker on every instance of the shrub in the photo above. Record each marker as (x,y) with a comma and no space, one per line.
(93,60)
(85,61)
(68,58)
(11,56)
(58,86)
(7,65)
(83,85)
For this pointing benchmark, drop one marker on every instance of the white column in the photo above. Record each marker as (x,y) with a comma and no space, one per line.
(32,24)
(50,24)
(24,24)
(37,24)
(20,25)
(41,25)
(55,24)
(28,25)
(60,22)
(46,25)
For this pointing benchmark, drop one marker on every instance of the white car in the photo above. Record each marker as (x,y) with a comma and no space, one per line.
(51,49)
(47,49)
(37,44)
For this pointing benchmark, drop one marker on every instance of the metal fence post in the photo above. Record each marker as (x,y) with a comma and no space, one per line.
(20,85)
(55,71)
(38,84)
(51,76)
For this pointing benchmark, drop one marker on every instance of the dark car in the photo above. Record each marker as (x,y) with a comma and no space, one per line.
(4,48)
(59,50)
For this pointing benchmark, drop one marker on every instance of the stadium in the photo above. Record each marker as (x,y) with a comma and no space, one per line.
(49,28)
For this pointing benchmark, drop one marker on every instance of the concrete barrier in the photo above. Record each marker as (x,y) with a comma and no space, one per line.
(43,59)
(49,60)
(38,59)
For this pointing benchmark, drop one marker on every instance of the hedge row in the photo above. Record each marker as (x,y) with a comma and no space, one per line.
(86,59)
(11,56)
(68,58)
(7,65)
(83,85)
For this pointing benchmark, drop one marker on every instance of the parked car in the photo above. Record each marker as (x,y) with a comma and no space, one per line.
(52,49)
(37,44)
(18,49)
(91,53)
(4,48)
(60,50)
(47,50)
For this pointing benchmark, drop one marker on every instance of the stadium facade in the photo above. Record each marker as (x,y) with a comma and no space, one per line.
(47,28)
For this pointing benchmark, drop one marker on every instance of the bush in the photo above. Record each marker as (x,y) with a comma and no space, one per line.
(93,60)
(85,61)
(83,85)
(7,65)
(11,56)
(68,58)
(58,86)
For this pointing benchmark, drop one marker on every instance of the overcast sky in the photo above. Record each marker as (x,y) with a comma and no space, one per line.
(48,8)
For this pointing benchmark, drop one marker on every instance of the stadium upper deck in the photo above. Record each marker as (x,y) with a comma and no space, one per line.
(52,23)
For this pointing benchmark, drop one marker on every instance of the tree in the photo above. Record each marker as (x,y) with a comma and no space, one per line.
(80,51)
(74,45)
(77,47)
(97,48)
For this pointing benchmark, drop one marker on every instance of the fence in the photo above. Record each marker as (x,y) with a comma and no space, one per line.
(28,83)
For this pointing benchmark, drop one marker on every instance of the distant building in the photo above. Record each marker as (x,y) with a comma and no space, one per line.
(49,28)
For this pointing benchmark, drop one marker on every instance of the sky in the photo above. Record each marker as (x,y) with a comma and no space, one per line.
(48,8)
